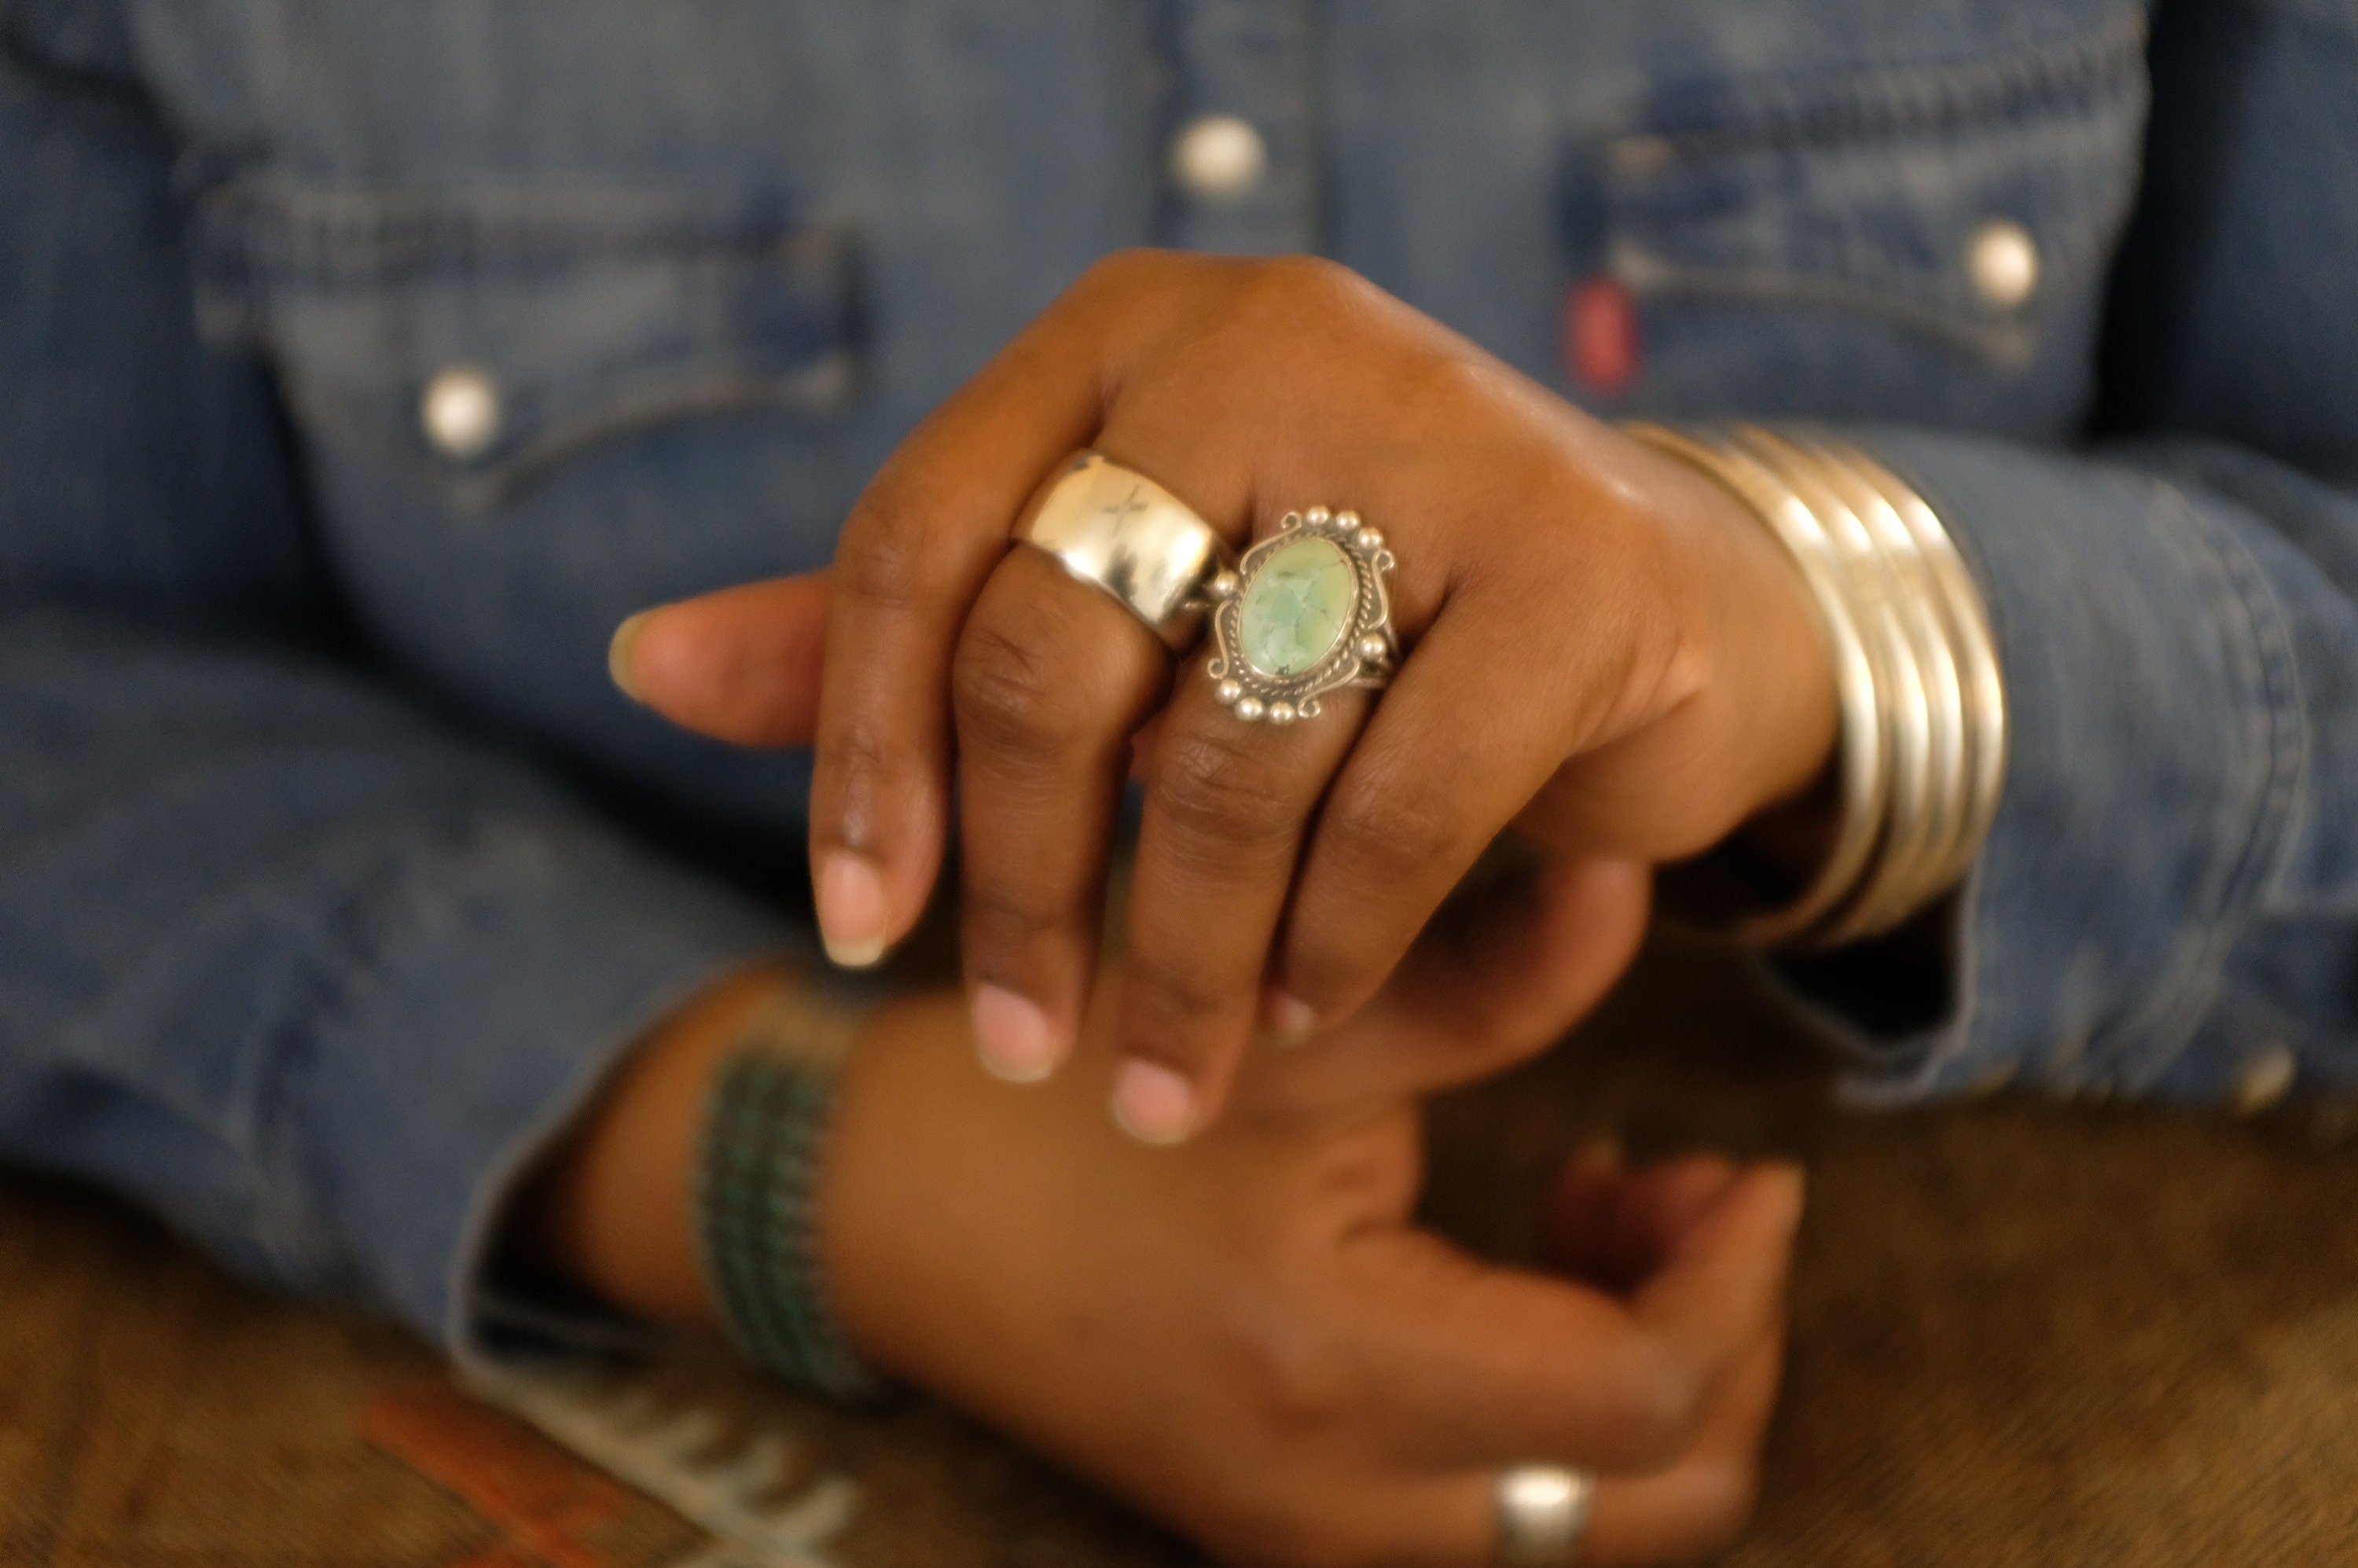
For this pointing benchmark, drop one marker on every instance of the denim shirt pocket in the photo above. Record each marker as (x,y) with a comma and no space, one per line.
(1938,232)
(477,336)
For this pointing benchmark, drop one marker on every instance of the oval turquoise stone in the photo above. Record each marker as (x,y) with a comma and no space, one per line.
(1297,607)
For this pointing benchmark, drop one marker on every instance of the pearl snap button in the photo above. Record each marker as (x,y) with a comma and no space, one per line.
(1218,155)
(459,412)
(2003,260)
(2265,1079)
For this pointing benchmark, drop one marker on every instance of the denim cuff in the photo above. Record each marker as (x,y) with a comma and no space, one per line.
(489,1030)
(2156,748)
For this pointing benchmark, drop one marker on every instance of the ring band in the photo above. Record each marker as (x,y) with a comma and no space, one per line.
(1542,1514)
(1119,532)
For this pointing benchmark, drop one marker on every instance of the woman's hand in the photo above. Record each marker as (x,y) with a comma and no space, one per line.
(1516,956)
(1247,1337)
(1604,650)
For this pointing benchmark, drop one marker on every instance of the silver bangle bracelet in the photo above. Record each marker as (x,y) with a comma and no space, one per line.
(1923,751)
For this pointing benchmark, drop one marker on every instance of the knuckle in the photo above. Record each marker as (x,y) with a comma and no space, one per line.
(1003,918)
(1005,695)
(1383,833)
(883,560)
(1312,293)
(1212,788)
(1297,1382)
(860,768)
(860,755)
(1179,1002)
(1314,279)
(1443,387)
(1658,1406)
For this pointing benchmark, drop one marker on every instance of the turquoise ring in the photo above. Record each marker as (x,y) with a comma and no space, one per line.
(1303,614)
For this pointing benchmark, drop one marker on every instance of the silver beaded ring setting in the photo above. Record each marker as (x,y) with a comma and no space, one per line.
(1303,614)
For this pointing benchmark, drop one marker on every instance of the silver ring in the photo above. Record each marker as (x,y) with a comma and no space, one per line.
(1542,1514)
(1119,531)
(1304,614)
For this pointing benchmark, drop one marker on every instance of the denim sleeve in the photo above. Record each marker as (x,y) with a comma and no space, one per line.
(283,957)
(2167,902)
(289,964)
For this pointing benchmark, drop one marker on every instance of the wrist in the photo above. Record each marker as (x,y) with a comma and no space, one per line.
(1922,728)
(1772,667)
(612,1214)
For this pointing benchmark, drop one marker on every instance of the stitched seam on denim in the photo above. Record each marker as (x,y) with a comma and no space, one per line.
(1902,101)
(2276,685)
(1890,298)
(2143,1046)
(359,236)
(1843,261)
(819,387)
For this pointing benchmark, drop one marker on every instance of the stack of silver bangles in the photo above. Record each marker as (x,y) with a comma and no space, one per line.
(1922,754)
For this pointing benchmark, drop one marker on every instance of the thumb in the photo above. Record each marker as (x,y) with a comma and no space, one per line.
(741,665)
(1498,976)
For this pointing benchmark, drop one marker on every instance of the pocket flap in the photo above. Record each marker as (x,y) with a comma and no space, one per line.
(480,334)
(1965,200)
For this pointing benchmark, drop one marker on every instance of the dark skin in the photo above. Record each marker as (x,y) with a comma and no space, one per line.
(1249,1337)
(1605,652)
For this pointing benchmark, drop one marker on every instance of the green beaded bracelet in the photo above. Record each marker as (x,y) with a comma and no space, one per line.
(757,1171)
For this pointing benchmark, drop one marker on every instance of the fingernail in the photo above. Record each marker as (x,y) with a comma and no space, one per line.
(850,910)
(620,651)
(1013,1037)
(1153,1104)
(1287,1019)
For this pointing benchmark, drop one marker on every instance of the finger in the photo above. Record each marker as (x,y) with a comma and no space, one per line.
(1698,1505)
(1226,804)
(741,666)
(1402,826)
(1694,1505)
(1475,1364)
(1051,679)
(1731,1263)
(1703,1502)
(1502,972)
(1617,1228)
(914,554)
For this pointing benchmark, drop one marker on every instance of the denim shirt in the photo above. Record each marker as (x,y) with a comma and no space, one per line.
(361,365)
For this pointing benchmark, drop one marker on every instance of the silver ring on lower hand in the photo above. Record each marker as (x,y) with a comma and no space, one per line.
(1542,1514)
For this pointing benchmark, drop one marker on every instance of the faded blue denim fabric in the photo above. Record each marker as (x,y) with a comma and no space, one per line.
(333,874)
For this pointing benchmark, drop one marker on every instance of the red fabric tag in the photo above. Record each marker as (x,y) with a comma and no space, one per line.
(1600,334)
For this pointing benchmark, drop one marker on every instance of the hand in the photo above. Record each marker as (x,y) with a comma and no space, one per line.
(1606,651)
(1514,958)
(1247,1337)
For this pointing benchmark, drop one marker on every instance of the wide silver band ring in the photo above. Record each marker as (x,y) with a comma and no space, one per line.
(1542,1515)
(1119,531)
(1305,612)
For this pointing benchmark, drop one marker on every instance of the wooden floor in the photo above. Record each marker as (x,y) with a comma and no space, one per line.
(2023,1334)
